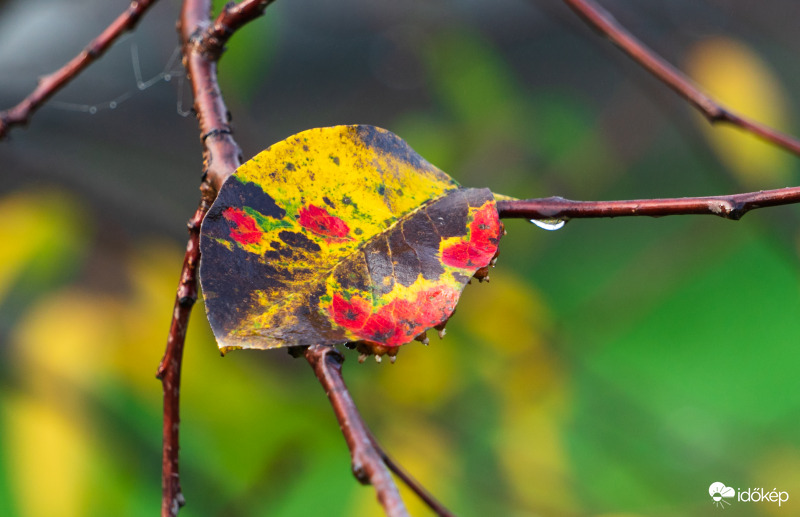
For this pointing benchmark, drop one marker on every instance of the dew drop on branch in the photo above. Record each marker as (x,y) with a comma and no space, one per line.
(549,224)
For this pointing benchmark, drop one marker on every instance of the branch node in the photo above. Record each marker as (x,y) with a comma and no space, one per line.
(215,133)
(187,301)
(360,473)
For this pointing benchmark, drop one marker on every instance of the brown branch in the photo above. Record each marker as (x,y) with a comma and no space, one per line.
(231,19)
(714,112)
(728,207)
(203,44)
(49,85)
(169,371)
(221,153)
(368,463)
(202,47)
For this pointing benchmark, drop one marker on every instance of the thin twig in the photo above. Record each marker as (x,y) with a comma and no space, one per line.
(368,464)
(221,157)
(221,153)
(169,371)
(728,207)
(410,482)
(714,112)
(231,19)
(50,84)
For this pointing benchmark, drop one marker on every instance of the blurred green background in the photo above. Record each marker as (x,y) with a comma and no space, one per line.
(612,368)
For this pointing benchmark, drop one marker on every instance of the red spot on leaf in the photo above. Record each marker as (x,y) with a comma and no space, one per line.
(317,220)
(397,322)
(478,249)
(350,314)
(244,230)
(381,328)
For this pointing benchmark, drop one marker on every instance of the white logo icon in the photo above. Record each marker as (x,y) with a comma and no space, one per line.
(719,492)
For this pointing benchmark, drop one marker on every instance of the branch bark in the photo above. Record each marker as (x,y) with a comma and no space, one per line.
(49,85)
(221,153)
(232,18)
(728,207)
(713,111)
(202,47)
(169,371)
(368,463)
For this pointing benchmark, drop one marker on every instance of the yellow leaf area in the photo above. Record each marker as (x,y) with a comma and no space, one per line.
(737,77)
(343,219)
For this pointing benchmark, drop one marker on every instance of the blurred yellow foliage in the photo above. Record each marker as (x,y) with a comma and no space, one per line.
(38,226)
(152,271)
(532,449)
(48,450)
(68,338)
(511,322)
(737,77)
(425,452)
(779,469)
(423,378)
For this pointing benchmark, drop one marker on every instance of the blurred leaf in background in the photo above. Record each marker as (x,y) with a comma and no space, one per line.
(738,78)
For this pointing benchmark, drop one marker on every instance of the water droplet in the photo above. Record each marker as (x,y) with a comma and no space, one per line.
(92,110)
(167,77)
(112,105)
(549,224)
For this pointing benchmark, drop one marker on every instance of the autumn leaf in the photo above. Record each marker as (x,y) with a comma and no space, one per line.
(340,234)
